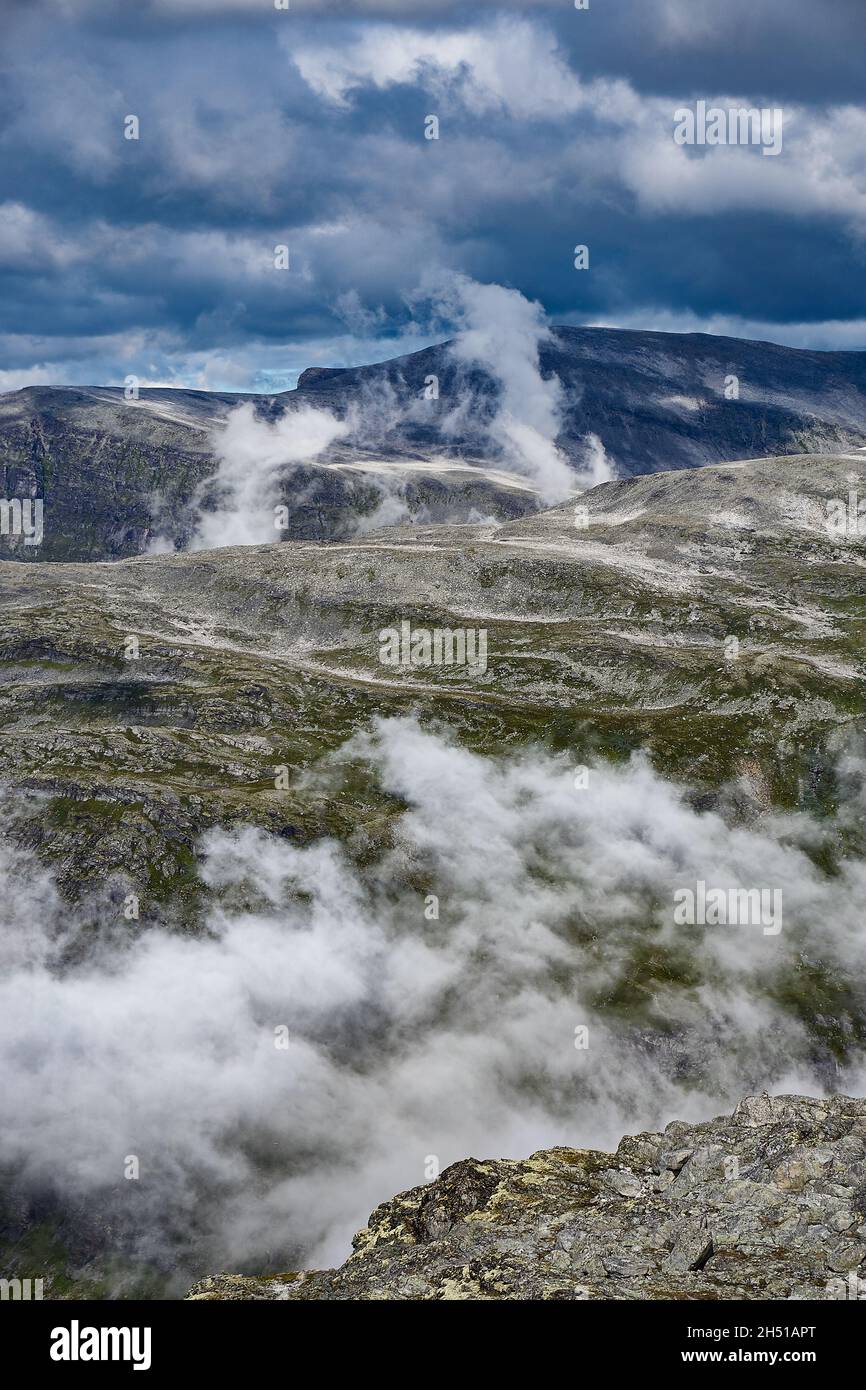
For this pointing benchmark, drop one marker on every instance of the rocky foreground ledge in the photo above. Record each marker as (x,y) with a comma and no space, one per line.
(767,1204)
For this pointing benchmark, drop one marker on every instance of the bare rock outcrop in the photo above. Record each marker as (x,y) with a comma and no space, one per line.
(769,1203)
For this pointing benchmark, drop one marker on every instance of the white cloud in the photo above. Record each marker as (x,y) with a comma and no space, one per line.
(512,66)
(28,237)
(820,171)
(501,331)
(407,1036)
(253,456)
(515,66)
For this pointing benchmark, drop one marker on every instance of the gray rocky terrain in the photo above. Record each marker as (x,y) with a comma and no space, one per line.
(602,638)
(769,1203)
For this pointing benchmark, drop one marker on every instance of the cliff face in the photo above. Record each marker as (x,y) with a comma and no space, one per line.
(767,1204)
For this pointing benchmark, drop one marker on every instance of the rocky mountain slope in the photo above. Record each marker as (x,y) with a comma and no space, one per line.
(608,629)
(114,472)
(656,400)
(767,1204)
(711,619)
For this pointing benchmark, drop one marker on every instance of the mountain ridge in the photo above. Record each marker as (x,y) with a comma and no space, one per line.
(113,473)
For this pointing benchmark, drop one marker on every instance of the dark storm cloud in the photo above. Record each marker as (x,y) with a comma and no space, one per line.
(305,127)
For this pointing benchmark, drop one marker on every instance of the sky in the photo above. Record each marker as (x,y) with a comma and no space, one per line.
(305,128)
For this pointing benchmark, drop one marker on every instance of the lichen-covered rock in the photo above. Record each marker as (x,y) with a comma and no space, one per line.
(767,1204)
